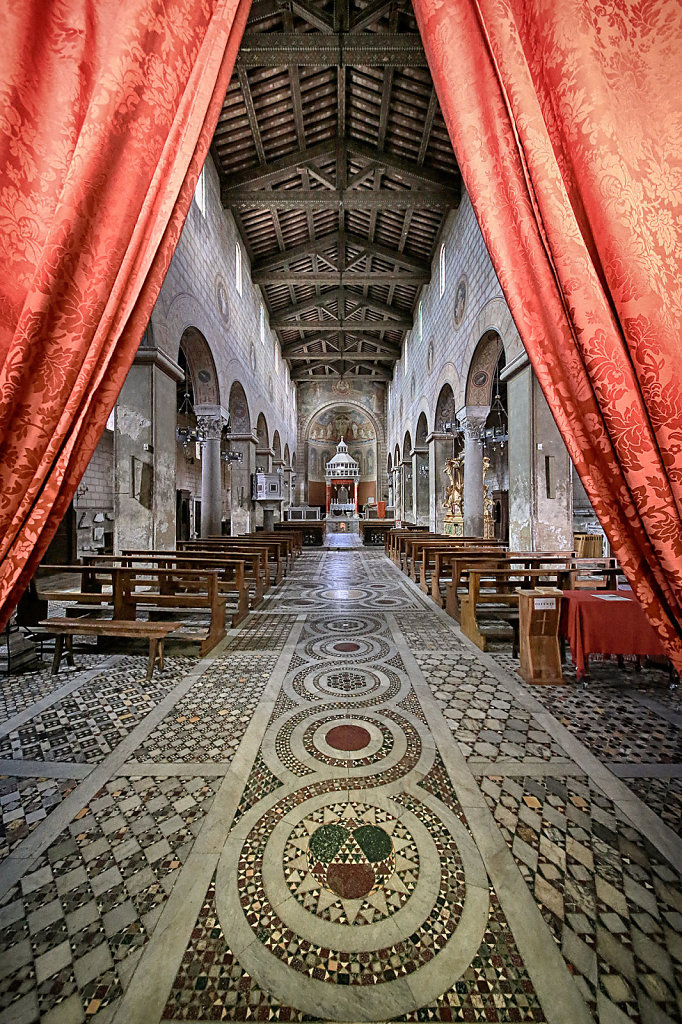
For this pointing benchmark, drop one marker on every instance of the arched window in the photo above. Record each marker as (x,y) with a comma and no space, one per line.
(200,193)
(238,268)
(441,270)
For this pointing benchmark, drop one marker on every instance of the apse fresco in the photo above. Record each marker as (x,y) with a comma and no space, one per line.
(327,429)
(333,424)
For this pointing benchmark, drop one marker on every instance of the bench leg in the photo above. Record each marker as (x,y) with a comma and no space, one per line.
(69,649)
(57,657)
(155,654)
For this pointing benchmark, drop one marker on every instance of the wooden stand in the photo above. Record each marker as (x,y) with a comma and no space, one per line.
(539,612)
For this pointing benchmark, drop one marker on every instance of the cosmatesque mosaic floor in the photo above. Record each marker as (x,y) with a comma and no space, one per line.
(345,813)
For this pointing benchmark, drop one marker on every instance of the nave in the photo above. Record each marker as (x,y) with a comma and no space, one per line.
(345,812)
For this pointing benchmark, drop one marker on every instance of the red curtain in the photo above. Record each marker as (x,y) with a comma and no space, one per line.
(107,110)
(566,120)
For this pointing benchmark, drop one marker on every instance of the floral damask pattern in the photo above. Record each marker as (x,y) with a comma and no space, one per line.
(107,110)
(566,121)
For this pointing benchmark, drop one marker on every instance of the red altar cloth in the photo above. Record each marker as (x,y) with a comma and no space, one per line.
(606,622)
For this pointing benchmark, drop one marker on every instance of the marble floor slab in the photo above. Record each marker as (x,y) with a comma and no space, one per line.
(345,813)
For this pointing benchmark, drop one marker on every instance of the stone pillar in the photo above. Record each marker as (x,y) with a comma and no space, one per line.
(472,418)
(440,447)
(540,471)
(241,506)
(286,488)
(420,477)
(268,518)
(406,489)
(145,421)
(278,467)
(397,494)
(210,424)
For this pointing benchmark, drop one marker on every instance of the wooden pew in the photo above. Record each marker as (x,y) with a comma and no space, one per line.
(65,629)
(418,548)
(460,565)
(437,564)
(256,574)
(157,591)
(492,594)
(277,549)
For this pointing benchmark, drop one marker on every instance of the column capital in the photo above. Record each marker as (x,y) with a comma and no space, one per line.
(211,426)
(472,419)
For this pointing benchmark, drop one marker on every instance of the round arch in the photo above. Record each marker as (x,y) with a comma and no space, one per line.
(421,432)
(277,445)
(286,456)
(481,375)
(445,409)
(240,417)
(200,366)
(262,431)
(396,457)
(407,445)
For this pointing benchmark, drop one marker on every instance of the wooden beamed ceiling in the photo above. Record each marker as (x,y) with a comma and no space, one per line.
(335,162)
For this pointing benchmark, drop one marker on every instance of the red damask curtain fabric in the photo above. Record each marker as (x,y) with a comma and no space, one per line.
(566,118)
(107,110)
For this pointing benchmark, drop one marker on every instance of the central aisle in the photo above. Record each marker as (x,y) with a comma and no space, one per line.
(349,868)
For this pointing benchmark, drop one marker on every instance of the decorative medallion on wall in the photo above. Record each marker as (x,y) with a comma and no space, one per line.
(429,357)
(221,299)
(252,357)
(480,379)
(413,387)
(460,301)
(341,387)
(204,376)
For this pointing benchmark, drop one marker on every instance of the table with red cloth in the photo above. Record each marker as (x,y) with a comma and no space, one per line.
(594,623)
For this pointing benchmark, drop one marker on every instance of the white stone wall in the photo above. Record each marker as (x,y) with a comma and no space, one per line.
(204,261)
(415,386)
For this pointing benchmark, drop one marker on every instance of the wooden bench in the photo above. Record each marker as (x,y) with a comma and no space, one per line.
(492,594)
(254,562)
(418,551)
(158,591)
(277,549)
(517,561)
(66,629)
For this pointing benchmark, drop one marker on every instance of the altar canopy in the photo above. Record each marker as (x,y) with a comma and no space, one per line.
(342,474)
(108,112)
(565,120)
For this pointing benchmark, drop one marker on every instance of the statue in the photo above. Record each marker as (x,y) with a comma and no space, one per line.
(488,524)
(454,497)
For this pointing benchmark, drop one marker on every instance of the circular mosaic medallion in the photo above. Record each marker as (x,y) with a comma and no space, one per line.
(346,624)
(363,685)
(342,594)
(348,737)
(383,890)
(356,648)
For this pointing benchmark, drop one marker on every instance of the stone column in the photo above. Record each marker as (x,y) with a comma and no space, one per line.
(145,421)
(472,418)
(278,467)
(407,489)
(286,488)
(440,447)
(397,494)
(540,470)
(241,506)
(211,426)
(420,479)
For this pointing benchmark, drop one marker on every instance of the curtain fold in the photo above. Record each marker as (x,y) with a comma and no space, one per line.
(107,110)
(566,121)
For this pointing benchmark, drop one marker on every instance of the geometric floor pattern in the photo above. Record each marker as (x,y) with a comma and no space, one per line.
(345,813)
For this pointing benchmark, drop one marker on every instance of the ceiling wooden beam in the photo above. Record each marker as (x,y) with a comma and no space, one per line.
(312,16)
(275,170)
(359,279)
(371,13)
(324,49)
(351,199)
(338,327)
(323,301)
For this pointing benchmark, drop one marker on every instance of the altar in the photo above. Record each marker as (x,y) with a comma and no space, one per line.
(341,475)
(342,524)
